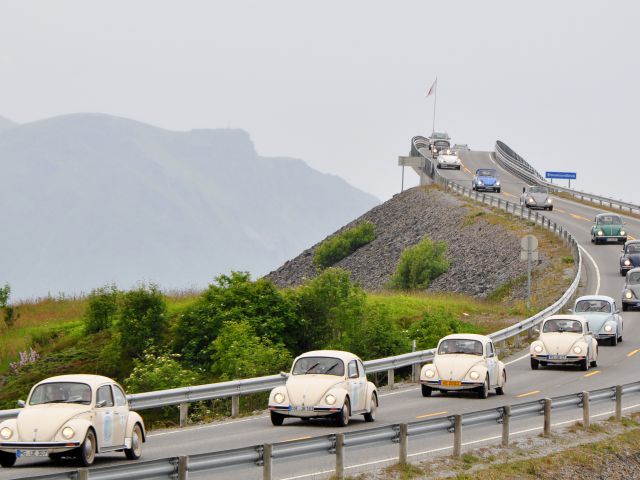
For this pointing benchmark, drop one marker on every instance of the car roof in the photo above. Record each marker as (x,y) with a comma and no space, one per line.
(566,317)
(608,214)
(467,336)
(486,168)
(629,242)
(595,297)
(342,355)
(634,270)
(91,380)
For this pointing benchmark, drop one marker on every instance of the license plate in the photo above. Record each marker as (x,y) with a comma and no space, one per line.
(32,453)
(303,409)
(557,357)
(451,383)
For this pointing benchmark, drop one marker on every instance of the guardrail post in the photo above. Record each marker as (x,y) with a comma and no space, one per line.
(83,474)
(391,378)
(266,457)
(183,467)
(340,456)
(235,406)
(184,412)
(547,417)
(415,368)
(506,416)
(586,417)
(404,444)
(618,403)
(457,436)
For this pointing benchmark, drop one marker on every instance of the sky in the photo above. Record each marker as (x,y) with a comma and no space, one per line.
(342,84)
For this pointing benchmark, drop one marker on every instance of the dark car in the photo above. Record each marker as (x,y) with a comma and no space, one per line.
(630,256)
(631,290)
(486,179)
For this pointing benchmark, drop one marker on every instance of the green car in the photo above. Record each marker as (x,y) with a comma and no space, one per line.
(608,227)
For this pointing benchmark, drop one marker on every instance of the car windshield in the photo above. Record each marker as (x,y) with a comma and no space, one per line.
(319,365)
(593,306)
(633,278)
(464,346)
(633,248)
(440,135)
(538,189)
(562,325)
(441,144)
(609,220)
(61,392)
(487,172)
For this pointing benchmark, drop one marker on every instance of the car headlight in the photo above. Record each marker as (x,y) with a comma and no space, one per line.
(628,295)
(538,348)
(577,350)
(623,233)
(600,232)
(480,182)
(608,328)
(549,200)
(530,200)
(279,397)
(6,433)
(429,374)
(474,375)
(67,432)
(330,399)
(627,262)
(497,183)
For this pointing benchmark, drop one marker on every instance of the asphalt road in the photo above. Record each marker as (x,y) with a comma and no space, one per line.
(616,365)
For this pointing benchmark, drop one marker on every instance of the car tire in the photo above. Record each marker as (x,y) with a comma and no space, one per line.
(551,208)
(7,459)
(498,190)
(623,273)
(594,364)
(87,451)
(483,391)
(276,419)
(458,167)
(624,307)
(614,340)
(584,365)
(500,390)
(342,418)
(135,451)
(535,364)
(370,416)
(426,391)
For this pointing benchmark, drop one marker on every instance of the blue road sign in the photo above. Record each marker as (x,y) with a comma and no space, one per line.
(562,175)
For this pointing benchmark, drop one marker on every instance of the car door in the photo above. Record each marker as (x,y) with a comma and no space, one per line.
(492,363)
(618,317)
(120,415)
(355,386)
(104,416)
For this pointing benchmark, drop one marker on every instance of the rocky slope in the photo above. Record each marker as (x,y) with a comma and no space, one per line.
(484,256)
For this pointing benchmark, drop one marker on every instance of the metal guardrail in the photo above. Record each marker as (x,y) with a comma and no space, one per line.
(514,163)
(334,444)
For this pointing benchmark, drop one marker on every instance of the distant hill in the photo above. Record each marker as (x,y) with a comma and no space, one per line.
(89,198)
(5,124)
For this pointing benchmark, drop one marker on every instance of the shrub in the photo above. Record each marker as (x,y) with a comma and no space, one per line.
(436,324)
(343,244)
(159,371)
(378,335)
(420,264)
(101,309)
(10,314)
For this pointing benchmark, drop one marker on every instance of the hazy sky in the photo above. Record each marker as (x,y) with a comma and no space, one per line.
(342,84)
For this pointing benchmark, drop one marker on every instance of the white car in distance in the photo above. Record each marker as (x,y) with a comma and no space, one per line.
(448,159)
(565,340)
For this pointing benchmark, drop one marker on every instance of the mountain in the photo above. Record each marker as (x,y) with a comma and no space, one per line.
(6,124)
(88,199)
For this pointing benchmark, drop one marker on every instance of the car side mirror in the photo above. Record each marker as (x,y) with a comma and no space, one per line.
(101,403)
(524,189)
(284,374)
(354,375)
(569,310)
(21,404)
(589,333)
(618,311)
(535,330)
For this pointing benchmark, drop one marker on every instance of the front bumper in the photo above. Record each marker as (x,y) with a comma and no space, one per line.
(51,447)
(604,336)
(631,303)
(449,165)
(309,412)
(613,238)
(437,385)
(493,188)
(570,359)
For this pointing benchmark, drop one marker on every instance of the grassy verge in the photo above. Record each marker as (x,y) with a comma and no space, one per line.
(597,206)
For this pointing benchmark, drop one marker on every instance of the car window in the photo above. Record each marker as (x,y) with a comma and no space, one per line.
(490,350)
(562,325)
(361,368)
(319,365)
(120,397)
(61,392)
(537,189)
(633,248)
(609,220)
(353,369)
(104,394)
(633,278)
(593,306)
(460,346)
(486,173)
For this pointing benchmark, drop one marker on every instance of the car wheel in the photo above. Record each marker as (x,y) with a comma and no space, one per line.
(370,416)
(584,365)
(426,391)
(343,416)
(500,390)
(276,419)
(498,190)
(551,208)
(624,307)
(458,167)
(7,459)
(87,452)
(614,340)
(622,272)
(135,451)
(483,392)
(534,364)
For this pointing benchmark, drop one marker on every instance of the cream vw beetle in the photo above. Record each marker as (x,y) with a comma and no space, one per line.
(78,415)
(464,362)
(325,383)
(565,339)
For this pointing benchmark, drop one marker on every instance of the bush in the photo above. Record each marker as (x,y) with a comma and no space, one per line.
(101,309)
(420,264)
(343,244)
(378,335)
(436,324)
(159,371)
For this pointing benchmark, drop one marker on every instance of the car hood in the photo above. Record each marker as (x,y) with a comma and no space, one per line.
(455,366)
(487,180)
(449,158)
(556,343)
(538,197)
(609,229)
(597,320)
(310,389)
(41,423)
(634,288)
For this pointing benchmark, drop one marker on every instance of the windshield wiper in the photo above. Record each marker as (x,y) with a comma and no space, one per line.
(332,367)
(312,367)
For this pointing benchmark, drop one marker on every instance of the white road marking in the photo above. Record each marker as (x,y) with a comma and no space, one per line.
(595,265)
(399,391)
(191,429)
(518,359)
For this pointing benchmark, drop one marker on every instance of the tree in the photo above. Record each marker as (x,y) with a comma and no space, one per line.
(436,324)
(378,335)
(5,292)
(9,312)
(420,264)
(101,309)
(159,371)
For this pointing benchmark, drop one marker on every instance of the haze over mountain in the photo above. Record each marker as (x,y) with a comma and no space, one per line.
(89,199)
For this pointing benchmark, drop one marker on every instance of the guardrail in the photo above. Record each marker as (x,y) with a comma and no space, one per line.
(262,456)
(514,163)
(234,389)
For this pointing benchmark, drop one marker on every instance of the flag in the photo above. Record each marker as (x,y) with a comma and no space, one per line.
(433,87)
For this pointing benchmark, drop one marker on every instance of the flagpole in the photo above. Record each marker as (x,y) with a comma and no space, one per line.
(435,99)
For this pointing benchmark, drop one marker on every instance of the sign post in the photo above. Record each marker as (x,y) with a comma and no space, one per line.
(529,252)
(409,162)
(562,175)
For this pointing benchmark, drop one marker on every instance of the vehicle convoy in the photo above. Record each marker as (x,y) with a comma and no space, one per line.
(464,362)
(486,179)
(608,227)
(631,290)
(438,142)
(72,415)
(565,340)
(603,316)
(536,196)
(630,257)
(448,159)
(325,383)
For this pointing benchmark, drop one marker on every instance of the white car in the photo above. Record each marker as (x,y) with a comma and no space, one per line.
(325,383)
(72,415)
(536,196)
(448,159)
(603,315)
(464,362)
(565,339)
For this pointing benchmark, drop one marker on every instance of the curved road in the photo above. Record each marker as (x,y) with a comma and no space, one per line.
(616,365)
